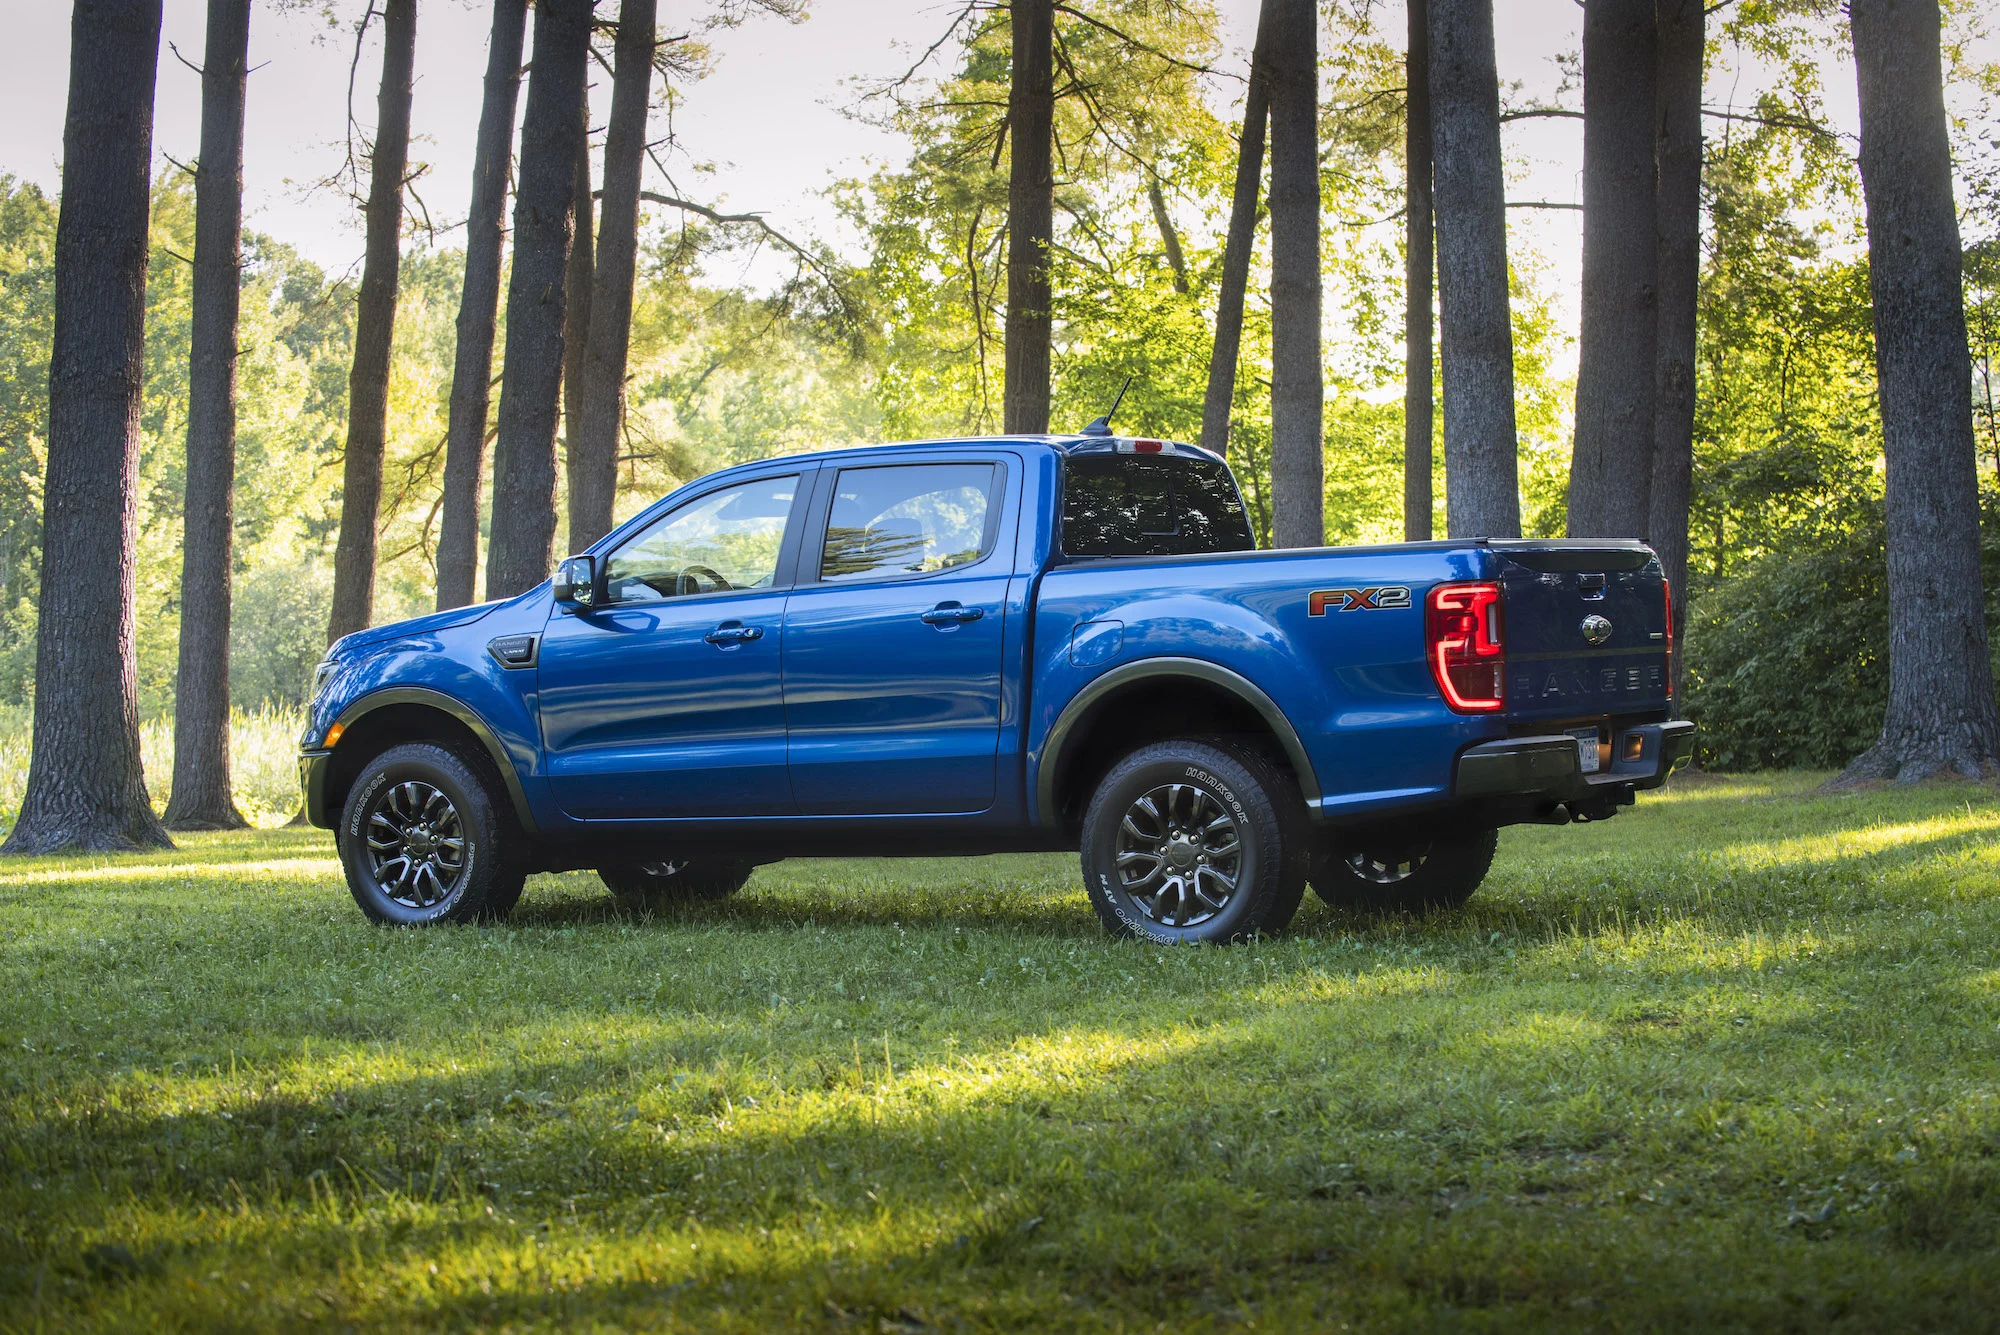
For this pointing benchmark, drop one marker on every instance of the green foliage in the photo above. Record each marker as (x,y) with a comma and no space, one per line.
(1723,1063)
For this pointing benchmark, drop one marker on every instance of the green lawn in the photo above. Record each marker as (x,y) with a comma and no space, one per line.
(1727,1062)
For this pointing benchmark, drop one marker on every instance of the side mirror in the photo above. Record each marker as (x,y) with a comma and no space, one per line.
(575,584)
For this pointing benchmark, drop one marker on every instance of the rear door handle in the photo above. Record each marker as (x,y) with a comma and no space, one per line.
(951,614)
(734,632)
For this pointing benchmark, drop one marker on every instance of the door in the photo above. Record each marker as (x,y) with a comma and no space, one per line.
(666,701)
(893,642)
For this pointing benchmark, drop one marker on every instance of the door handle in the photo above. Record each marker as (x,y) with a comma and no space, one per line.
(952,614)
(734,632)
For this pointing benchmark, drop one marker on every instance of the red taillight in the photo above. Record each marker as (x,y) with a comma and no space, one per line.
(1464,642)
(1667,595)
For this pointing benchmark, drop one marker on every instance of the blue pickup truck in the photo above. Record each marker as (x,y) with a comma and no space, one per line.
(977,646)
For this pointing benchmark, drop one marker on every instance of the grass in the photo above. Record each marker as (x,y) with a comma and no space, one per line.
(1728,1062)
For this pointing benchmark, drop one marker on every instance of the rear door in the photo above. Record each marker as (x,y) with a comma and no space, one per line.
(894,637)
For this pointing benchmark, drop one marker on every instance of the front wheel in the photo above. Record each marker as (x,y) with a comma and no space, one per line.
(1405,871)
(1189,841)
(425,836)
(642,886)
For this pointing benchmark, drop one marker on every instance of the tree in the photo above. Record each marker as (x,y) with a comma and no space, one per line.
(1297,386)
(201,798)
(1941,714)
(524,459)
(1482,472)
(1241,241)
(593,477)
(1031,109)
(576,306)
(478,309)
(1417,407)
(86,789)
(1611,469)
(374,328)
(1678,163)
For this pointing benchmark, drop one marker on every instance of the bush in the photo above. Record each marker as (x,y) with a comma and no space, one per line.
(1788,663)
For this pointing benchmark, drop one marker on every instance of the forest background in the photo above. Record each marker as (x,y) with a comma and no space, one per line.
(747,344)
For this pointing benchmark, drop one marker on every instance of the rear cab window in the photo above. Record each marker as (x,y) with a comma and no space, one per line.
(1118,504)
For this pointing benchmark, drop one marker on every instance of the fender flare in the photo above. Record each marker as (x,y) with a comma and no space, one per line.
(1147,669)
(458,709)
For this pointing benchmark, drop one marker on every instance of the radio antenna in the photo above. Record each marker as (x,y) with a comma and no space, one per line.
(1102,426)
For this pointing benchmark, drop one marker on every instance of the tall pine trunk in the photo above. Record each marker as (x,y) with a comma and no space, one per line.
(1220,399)
(86,789)
(1476,335)
(478,309)
(1679,164)
(374,329)
(593,459)
(1297,397)
(201,798)
(1611,470)
(1941,714)
(524,458)
(1418,409)
(576,308)
(1031,193)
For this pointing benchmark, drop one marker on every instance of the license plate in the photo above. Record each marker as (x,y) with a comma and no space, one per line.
(1586,746)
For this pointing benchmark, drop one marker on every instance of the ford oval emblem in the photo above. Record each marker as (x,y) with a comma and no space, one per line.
(1596,629)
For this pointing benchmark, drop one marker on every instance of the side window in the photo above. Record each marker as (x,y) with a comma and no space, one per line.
(908,520)
(728,539)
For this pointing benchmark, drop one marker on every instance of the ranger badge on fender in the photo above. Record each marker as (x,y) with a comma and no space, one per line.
(1357,600)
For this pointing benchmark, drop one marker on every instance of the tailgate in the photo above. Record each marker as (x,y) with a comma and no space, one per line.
(1587,633)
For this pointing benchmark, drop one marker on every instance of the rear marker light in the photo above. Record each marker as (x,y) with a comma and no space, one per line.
(1464,639)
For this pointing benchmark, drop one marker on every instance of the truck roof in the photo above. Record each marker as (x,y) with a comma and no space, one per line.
(1074,443)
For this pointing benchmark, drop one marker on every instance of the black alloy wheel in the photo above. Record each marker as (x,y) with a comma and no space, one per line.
(1195,841)
(1400,872)
(648,886)
(427,835)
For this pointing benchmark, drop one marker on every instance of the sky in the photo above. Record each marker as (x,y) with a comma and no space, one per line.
(767,130)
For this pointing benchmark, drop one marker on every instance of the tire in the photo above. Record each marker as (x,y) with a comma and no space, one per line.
(426,836)
(1213,842)
(1404,872)
(644,886)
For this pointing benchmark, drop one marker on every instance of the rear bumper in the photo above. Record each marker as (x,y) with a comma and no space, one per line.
(1550,769)
(313,766)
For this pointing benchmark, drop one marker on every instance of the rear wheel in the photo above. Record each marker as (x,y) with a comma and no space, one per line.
(1188,841)
(655,885)
(1405,871)
(426,836)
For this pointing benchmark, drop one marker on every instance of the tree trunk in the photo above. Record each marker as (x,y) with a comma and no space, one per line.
(1297,399)
(1418,411)
(201,798)
(524,457)
(1611,470)
(1031,192)
(593,460)
(1476,335)
(1170,241)
(478,309)
(576,307)
(1941,714)
(1679,165)
(86,789)
(374,330)
(1236,252)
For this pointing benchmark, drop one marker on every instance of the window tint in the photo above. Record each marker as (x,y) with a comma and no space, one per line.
(1136,505)
(909,520)
(727,539)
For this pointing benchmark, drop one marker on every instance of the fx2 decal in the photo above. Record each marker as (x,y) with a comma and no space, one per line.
(1357,600)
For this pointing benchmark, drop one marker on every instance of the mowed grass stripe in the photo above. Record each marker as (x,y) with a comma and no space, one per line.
(1729,1060)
